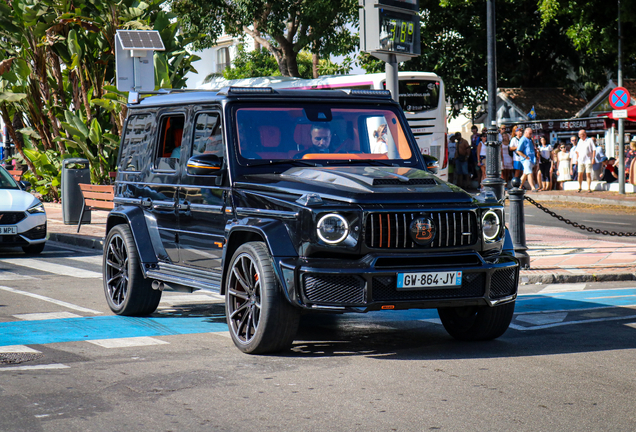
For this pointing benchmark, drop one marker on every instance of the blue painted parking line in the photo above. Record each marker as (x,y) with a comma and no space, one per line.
(109,327)
(578,300)
(115,327)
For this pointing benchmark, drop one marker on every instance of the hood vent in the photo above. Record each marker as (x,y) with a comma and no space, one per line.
(416,181)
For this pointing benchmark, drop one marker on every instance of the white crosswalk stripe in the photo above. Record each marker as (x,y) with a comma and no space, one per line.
(46,266)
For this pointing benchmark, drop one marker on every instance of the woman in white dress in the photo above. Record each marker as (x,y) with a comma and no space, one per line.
(506,172)
(564,169)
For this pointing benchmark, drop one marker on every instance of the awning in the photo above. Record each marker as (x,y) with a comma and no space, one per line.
(631,114)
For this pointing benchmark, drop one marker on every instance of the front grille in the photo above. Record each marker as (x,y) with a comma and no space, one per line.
(384,289)
(334,289)
(391,230)
(416,181)
(503,283)
(10,218)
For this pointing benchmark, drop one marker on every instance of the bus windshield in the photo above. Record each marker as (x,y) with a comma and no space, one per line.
(320,132)
(418,95)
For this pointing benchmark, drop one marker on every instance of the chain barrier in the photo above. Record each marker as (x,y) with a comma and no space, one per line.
(578,225)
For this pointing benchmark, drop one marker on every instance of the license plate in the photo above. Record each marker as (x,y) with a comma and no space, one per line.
(407,281)
(8,230)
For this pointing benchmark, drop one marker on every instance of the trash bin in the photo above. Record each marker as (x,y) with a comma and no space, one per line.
(72,199)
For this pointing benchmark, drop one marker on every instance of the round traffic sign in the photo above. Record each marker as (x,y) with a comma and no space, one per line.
(619,98)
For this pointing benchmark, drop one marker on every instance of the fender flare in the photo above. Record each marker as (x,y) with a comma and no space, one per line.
(134,217)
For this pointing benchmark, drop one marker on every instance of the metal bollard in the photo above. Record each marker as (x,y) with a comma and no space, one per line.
(517,223)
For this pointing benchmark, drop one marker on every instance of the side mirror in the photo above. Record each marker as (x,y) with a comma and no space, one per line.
(205,165)
(24,185)
(431,163)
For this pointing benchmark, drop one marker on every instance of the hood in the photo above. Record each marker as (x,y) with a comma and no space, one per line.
(16,200)
(366,184)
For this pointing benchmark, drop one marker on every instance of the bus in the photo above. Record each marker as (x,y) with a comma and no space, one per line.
(421,97)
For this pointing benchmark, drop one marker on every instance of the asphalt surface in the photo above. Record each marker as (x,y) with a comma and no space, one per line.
(68,364)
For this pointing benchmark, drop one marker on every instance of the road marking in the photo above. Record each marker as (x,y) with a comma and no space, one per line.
(632,325)
(49,267)
(98,260)
(50,300)
(36,367)
(9,276)
(127,342)
(46,316)
(608,223)
(539,327)
(556,288)
(17,349)
(610,297)
(543,318)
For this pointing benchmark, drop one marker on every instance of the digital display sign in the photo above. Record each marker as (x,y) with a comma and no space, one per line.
(397,32)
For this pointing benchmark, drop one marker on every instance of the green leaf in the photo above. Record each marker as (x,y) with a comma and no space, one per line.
(95,132)
(74,45)
(11,97)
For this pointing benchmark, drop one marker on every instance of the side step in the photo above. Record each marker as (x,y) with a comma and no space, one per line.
(187,276)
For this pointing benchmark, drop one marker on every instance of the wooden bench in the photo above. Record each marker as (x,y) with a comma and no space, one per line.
(16,174)
(96,197)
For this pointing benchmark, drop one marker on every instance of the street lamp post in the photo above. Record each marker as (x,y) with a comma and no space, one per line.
(493,180)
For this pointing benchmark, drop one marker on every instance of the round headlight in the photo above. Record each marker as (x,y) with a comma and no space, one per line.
(490,225)
(332,228)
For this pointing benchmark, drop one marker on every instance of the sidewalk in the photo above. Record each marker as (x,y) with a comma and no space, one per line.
(557,255)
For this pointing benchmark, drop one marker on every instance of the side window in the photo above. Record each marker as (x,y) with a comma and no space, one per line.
(208,136)
(136,142)
(168,150)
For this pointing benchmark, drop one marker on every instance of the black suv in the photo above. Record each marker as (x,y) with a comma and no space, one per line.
(292,201)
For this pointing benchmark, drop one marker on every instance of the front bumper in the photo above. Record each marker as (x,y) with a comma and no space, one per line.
(371,282)
(31,231)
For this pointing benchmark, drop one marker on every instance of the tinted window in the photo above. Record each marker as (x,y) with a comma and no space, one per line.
(136,142)
(208,136)
(6,180)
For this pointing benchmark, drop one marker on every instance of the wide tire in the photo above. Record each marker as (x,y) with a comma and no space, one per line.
(475,323)
(34,249)
(127,291)
(259,317)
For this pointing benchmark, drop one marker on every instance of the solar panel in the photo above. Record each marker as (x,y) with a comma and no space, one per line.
(140,40)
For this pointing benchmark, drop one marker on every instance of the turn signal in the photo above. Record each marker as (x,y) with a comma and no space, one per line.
(388,307)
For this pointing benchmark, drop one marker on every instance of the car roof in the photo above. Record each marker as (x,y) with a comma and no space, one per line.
(263,94)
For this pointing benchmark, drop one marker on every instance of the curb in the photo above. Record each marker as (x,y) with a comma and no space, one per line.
(546,279)
(81,241)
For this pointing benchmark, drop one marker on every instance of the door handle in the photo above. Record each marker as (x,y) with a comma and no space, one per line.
(146,202)
(183,206)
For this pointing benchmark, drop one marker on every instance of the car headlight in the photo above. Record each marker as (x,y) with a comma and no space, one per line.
(332,228)
(36,208)
(491,225)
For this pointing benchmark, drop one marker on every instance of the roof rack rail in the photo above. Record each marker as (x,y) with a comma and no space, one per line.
(369,92)
(244,90)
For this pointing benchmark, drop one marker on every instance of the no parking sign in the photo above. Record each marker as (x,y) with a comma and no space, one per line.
(619,98)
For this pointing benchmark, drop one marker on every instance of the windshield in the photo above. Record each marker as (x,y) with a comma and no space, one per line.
(418,95)
(6,180)
(320,132)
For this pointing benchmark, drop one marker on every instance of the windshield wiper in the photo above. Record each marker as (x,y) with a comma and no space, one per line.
(283,161)
(363,161)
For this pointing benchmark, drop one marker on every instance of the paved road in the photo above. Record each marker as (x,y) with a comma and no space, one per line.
(68,364)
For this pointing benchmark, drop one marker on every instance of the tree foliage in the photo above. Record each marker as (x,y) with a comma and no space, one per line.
(283,27)
(57,71)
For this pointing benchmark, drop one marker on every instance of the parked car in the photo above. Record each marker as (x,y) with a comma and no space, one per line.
(289,201)
(22,216)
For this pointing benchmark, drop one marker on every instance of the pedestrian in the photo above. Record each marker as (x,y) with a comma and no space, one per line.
(610,171)
(545,164)
(506,157)
(573,142)
(514,144)
(564,167)
(599,158)
(481,151)
(630,167)
(462,154)
(527,154)
(452,146)
(585,153)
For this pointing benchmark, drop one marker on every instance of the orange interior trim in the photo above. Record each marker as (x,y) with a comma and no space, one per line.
(344,156)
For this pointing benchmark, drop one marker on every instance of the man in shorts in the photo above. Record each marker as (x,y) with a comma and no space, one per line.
(585,154)
(528,156)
